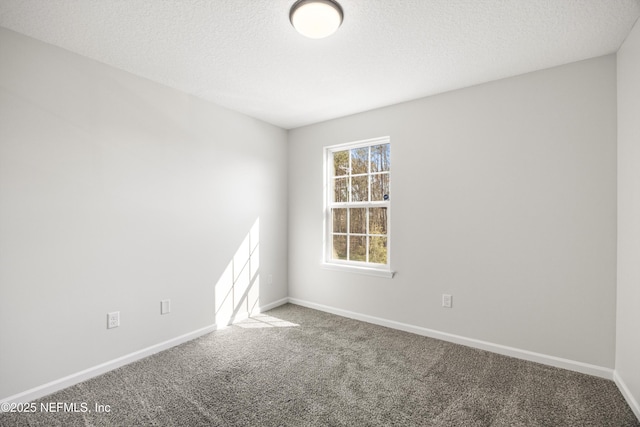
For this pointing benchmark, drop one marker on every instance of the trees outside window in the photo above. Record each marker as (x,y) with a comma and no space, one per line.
(358,203)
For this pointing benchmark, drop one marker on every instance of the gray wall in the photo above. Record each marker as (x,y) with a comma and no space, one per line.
(503,195)
(628,320)
(115,193)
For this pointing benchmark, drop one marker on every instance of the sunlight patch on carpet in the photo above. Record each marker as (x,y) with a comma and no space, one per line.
(264,321)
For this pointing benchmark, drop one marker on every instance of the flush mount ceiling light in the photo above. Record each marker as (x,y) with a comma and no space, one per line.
(316,18)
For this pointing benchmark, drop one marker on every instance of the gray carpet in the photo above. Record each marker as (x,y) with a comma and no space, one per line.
(293,366)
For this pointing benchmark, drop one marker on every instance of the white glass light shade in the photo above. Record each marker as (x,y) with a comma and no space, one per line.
(316,18)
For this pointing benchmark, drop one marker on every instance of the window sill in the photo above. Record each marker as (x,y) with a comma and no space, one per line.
(359,270)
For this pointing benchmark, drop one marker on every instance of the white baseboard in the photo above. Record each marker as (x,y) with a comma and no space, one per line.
(238,317)
(557,362)
(73,379)
(274,304)
(626,393)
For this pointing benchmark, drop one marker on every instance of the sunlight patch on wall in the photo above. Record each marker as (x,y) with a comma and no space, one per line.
(237,292)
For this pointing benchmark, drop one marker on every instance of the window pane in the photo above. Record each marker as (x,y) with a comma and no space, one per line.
(380,157)
(340,190)
(359,160)
(360,188)
(357,248)
(339,220)
(379,186)
(358,181)
(378,250)
(358,220)
(339,247)
(378,221)
(341,163)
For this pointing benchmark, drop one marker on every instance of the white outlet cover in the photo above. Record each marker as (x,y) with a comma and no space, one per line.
(447,300)
(165,306)
(113,320)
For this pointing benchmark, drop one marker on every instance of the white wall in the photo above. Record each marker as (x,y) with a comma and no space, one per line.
(628,309)
(503,195)
(115,193)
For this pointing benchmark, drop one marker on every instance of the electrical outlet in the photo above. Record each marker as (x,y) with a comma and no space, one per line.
(447,300)
(165,306)
(113,320)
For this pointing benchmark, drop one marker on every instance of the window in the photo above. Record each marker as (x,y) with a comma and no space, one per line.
(357,206)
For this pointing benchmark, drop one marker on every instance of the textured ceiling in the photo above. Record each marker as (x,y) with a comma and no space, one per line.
(244,54)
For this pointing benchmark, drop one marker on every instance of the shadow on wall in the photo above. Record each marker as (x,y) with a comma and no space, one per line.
(237,293)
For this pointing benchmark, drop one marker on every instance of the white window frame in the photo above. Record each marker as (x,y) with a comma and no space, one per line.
(362,267)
